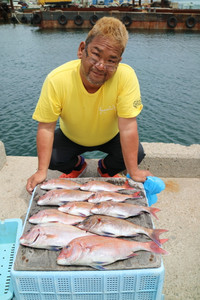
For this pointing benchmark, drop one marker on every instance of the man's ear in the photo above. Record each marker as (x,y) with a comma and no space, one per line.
(80,50)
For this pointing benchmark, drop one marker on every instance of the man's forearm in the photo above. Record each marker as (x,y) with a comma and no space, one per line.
(130,143)
(45,136)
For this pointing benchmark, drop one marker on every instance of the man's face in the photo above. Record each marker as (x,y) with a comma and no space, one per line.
(99,61)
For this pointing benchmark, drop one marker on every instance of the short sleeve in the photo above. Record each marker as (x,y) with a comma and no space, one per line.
(48,108)
(129,102)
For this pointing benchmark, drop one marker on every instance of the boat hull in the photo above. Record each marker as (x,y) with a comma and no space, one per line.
(153,19)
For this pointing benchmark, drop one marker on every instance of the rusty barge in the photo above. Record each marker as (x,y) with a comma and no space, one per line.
(154,16)
(150,19)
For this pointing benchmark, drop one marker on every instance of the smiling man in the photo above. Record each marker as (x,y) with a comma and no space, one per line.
(97,99)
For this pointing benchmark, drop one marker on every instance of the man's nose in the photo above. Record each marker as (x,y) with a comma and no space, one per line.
(101,64)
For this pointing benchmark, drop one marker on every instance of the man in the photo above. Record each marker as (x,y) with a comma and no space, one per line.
(97,100)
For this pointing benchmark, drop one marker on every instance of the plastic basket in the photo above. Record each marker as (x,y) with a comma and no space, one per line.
(130,284)
(10,231)
(144,284)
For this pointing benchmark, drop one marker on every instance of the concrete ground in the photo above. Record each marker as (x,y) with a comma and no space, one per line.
(180,214)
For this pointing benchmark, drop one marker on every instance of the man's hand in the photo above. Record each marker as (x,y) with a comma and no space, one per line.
(141,175)
(45,136)
(35,179)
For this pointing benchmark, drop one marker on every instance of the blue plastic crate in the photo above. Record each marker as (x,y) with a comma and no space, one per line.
(10,231)
(143,284)
(129,284)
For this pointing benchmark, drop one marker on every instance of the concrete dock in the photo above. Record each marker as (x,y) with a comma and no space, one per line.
(178,167)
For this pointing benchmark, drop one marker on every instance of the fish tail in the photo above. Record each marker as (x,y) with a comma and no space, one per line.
(162,241)
(153,211)
(154,235)
(127,186)
(153,247)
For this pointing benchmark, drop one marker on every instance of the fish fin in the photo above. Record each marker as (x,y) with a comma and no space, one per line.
(153,247)
(63,202)
(155,235)
(120,216)
(153,211)
(134,235)
(136,195)
(162,241)
(54,248)
(82,215)
(75,223)
(50,236)
(98,265)
(105,233)
(132,254)
(127,186)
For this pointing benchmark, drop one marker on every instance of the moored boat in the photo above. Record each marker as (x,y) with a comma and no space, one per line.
(154,16)
(151,19)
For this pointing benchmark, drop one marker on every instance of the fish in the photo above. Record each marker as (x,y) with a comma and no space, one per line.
(95,186)
(117,197)
(77,208)
(97,251)
(115,227)
(62,196)
(51,236)
(54,215)
(122,210)
(60,183)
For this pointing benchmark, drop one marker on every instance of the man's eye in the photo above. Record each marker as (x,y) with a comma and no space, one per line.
(95,54)
(110,61)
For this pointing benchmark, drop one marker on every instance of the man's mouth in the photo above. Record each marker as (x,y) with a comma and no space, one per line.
(98,73)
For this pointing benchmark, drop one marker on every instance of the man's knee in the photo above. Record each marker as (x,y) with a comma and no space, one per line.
(141,153)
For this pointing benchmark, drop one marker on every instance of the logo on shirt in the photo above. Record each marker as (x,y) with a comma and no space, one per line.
(109,108)
(137,103)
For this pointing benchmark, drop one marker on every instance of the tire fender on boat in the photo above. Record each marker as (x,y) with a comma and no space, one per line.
(93,19)
(62,20)
(172,22)
(190,22)
(14,20)
(126,21)
(24,19)
(37,19)
(78,20)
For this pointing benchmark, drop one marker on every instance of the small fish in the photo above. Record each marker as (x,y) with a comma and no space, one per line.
(62,196)
(77,208)
(122,210)
(95,186)
(51,236)
(117,197)
(60,183)
(54,215)
(114,227)
(97,251)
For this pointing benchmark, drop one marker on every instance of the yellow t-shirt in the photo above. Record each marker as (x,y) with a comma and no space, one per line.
(88,119)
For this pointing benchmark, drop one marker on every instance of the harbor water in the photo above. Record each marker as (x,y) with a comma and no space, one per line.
(167,65)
